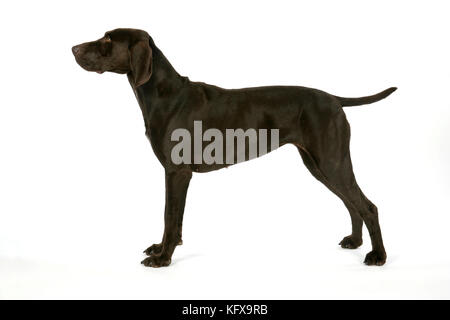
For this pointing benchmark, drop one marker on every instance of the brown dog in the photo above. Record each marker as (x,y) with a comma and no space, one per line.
(311,119)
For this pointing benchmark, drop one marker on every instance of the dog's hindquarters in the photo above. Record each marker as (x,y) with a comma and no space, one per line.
(324,148)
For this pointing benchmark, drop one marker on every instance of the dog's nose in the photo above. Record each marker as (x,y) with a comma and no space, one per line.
(75,50)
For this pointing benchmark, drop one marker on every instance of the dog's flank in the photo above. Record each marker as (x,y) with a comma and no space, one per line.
(310,119)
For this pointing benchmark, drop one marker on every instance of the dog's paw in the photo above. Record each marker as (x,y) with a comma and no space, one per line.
(350,242)
(375,258)
(156,261)
(157,248)
(153,249)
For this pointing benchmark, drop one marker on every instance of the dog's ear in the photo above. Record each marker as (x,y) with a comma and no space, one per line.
(141,62)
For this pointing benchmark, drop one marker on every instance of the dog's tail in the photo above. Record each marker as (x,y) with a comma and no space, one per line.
(349,102)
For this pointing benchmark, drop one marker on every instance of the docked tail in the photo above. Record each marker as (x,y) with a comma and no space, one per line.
(349,102)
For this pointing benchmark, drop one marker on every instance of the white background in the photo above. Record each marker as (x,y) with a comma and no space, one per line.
(82,194)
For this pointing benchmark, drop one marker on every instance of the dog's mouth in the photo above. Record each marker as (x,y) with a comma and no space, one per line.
(86,65)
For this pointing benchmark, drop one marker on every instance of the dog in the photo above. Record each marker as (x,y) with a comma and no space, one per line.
(310,119)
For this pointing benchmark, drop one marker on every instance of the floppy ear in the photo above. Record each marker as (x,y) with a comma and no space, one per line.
(141,62)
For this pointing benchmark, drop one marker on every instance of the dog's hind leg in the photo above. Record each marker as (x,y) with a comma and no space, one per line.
(354,240)
(327,156)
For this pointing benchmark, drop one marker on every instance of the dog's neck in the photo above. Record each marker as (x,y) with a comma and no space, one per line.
(164,83)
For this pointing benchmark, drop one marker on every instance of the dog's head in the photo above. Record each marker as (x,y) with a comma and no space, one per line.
(120,51)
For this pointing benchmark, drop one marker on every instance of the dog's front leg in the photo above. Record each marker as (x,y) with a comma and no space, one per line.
(177,183)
